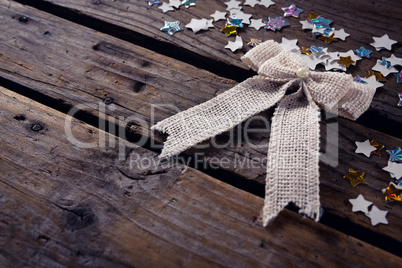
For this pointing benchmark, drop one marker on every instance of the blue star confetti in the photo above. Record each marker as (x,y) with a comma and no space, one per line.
(398,77)
(320,22)
(358,79)
(400,99)
(171,27)
(235,22)
(395,155)
(385,62)
(315,49)
(188,3)
(292,11)
(362,52)
(254,42)
(275,23)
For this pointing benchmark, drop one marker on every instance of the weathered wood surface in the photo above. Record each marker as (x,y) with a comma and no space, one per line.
(81,66)
(65,206)
(361,19)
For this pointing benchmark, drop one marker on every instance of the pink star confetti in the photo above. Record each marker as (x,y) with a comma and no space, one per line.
(254,42)
(275,23)
(292,11)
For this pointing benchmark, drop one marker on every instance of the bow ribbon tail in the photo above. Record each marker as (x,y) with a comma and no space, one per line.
(293,158)
(219,114)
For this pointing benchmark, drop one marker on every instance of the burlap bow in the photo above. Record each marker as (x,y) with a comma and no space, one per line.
(293,154)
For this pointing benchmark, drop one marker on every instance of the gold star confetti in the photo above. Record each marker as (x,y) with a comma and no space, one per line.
(306,50)
(377,146)
(328,39)
(312,15)
(346,61)
(392,193)
(355,177)
(229,29)
(378,75)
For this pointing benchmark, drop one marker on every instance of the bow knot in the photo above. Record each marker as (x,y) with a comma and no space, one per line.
(292,162)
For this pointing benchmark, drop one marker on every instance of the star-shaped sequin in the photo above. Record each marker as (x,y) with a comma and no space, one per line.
(398,77)
(383,42)
(372,82)
(328,39)
(237,44)
(306,25)
(383,69)
(290,44)
(292,10)
(254,42)
(175,3)
(320,22)
(306,50)
(165,7)
(312,15)
(394,169)
(188,3)
(171,27)
(362,52)
(365,148)
(256,24)
(355,177)
(251,3)
(377,216)
(198,24)
(234,22)
(346,61)
(377,146)
(275,23)
(218,15)
(360,204)
(229,29)
(400,99)
(358,79)
(395,155)
(392,192)
(341,34)
(378,75)
(385,62)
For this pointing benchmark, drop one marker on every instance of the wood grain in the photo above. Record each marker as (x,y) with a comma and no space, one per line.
(67,206)
(83,67)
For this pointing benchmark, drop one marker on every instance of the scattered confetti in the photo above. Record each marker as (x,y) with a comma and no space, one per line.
(377,216)
(362,52)
(360,204)
(257,24)
(292,10)
(328,39)
(341,34)
(385,62)
(383,69)
(171,27)
(346,61)
(232,4)
(229,30)
(254,42)
(398,77)
(307,25)
(245,17)
(358,79)
(395,155)
(377,146)
(383,42)
(392,192)
(378,75)
(395,60)
(372,82)
(395,169)
(275,23)
(355,177)
(290,44)
(237,44)
(365,148)
(306,50)
(234,22)
(165,7)
(218,15)
(400,99)
(320,22)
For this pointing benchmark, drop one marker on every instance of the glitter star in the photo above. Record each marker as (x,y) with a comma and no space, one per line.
(275,23)
(385,62)
(312,15)
(355,177)
(400,99)
(328,39)
(171,27)
(320,22)
(188,3)
(306,51)
(358,79)
(362,52)
(395,155)
(234,22)
(346,61)
(398,77)
(229,29)
(254,42)
(292,10)
(315,49)
(377,146)
(392,192)
(378,75)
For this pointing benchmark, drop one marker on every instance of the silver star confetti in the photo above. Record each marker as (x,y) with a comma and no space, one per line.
(383,42)
(267,3)
(165,7)
(257,24)
(360,204)
(171,27)
(198,25)
(237,44)
(341,34)
(290,44)
(395,169)
(377,216)
(383,69)
(219,15)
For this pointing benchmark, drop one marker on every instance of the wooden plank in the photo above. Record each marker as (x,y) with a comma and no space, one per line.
(67,206)
(370,21)
(136,78)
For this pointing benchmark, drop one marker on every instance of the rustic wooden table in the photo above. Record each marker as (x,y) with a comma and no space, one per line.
(88,202)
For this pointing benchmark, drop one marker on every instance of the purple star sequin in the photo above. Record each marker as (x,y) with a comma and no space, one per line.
(292,11)
(275,23)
